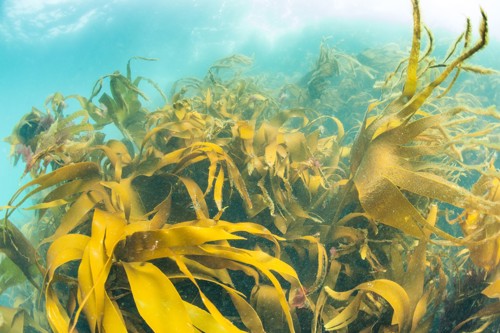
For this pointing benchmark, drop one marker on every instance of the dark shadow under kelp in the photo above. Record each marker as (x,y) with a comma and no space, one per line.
(235,207)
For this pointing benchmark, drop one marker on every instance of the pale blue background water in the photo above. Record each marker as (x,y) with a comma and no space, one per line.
(66,45)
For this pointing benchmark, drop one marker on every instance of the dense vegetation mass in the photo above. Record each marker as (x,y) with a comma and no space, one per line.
(240,206)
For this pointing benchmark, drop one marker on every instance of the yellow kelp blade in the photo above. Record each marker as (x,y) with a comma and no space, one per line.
(347,316)
(493,290)
(214,159)
(214,311)
(389,206)
(264,263)
(56,314)
(112,319)
(63,250)
(265,300)
(202,320)
(77,212)
(414,279)
(107,230)
(435,187)
(157,299)
(247,314)
(85,170)
(329,282)
(197,197)
(218,189)
(154,244)
(392,292)
(411,73)
(251,228)
(419,99)
(125,198)
(67,191)
(162,213)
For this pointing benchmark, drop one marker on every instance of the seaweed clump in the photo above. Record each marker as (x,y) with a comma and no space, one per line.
(232,208)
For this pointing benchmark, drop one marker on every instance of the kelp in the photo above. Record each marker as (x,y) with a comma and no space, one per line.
(386,143)
(238,207)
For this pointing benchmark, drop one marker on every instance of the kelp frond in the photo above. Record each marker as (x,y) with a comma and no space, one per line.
(378,170)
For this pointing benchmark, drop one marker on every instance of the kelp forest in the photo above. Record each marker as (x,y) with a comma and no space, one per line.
(361,197)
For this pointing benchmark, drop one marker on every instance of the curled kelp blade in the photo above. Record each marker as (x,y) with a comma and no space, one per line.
(95,265)
(63,250)
(392,292)
(188,240)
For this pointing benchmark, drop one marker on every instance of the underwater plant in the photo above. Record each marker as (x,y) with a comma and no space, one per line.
(232,208)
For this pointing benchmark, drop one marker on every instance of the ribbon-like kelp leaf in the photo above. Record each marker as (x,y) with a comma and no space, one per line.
(162,213)
(197,152)
(265,300)
(264,263)
(123,107)
(179,241)
(392,292)
(214,311)
(107,230)
(63,250)
(118,156)
(78,210)
(247,313)
(348,315)
(202,320)
(125,199)
(219,182)
(157,299)
(56,314)
(330,281)
(113,320)
(160,242)
(83,170)
(197,198)
(414,279)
